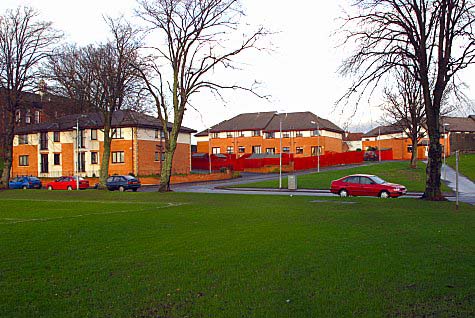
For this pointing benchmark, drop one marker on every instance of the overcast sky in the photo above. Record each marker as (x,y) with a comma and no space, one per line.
(300,73)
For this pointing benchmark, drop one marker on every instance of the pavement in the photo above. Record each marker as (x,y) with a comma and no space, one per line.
(466,186)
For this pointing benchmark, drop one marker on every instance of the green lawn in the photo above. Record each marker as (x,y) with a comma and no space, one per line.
(396,172)
(96,254)
(466,165)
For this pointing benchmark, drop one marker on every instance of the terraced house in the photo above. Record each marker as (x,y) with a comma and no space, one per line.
(303,134)
(457,133)
(74,144)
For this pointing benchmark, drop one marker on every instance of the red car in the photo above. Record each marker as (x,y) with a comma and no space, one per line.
(366,185)
(67,183)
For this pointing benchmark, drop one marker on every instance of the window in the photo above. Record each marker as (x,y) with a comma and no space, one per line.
(242,149)
(118,157)
(93,134)
(316,150)
(240,133)
(256,149)
(94,158)
(57,159)
(409,148)
(230,149)
(23,139)
(157,134)
(298,134)
(286,149)
(286,135)
(43,141)
(81,139)
(270,135)
(18,116)
(299,150)
(365,180)
(44,163)
(28,117)
(316,133)
(270,150)
(37,117)
(214,135)
(24,160)
(352,180)
(117,133)
(82,162)
(216,150)
(157,156)
(229,135)
(56,136)
(256,133)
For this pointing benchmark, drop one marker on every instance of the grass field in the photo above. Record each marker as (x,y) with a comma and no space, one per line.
(466,165)
(396,172)
(97,254)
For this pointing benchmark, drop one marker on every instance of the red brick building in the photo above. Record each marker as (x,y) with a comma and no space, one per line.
(303,134)
(54,148)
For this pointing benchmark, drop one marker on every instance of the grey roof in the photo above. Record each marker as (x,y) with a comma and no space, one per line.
(122,118)
(270,121)
(384,130)
(459,124)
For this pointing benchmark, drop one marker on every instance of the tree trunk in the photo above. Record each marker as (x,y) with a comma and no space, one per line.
(166,171)
(104,172)
(8,150)
(414,154)
(433,171)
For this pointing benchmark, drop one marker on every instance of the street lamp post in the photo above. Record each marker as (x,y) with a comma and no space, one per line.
(445,150)
(209,149)
(77,154)
(379,143)
(319,146)
(280,154)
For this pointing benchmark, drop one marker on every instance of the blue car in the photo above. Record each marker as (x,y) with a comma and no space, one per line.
(25,183)
(122,183)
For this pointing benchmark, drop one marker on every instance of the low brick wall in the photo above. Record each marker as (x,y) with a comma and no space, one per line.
(174,179)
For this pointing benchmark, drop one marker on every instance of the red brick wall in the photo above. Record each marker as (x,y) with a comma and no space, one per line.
(328,144)
(32,168)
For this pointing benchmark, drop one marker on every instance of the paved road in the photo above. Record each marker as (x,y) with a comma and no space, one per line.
(222,186)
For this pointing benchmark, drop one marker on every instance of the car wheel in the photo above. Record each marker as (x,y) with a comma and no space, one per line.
(343,193)
(70,188)
(24,187)
(121,189)
(384,195)
(50,188)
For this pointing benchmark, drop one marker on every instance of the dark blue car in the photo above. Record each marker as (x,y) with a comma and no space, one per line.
(123,183)
(25,183)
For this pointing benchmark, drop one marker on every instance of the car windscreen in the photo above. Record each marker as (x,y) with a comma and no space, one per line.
(34,179)
(378,180)
(129,177)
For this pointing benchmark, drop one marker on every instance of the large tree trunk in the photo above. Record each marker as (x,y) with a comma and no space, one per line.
(8,150)
(166,171)
(414,153)
(434,164)
(104,171)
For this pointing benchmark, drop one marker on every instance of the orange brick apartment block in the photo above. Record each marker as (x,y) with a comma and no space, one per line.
(54,148)
(303,134)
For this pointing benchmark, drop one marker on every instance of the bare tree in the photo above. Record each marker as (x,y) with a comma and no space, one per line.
(433,40)
(194,34)
(405,109)
(24,42)
(101,77)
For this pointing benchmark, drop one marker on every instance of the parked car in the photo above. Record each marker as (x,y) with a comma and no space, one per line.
(123,183)
(366,185)
(370,155)
(25,183)
(68,183)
